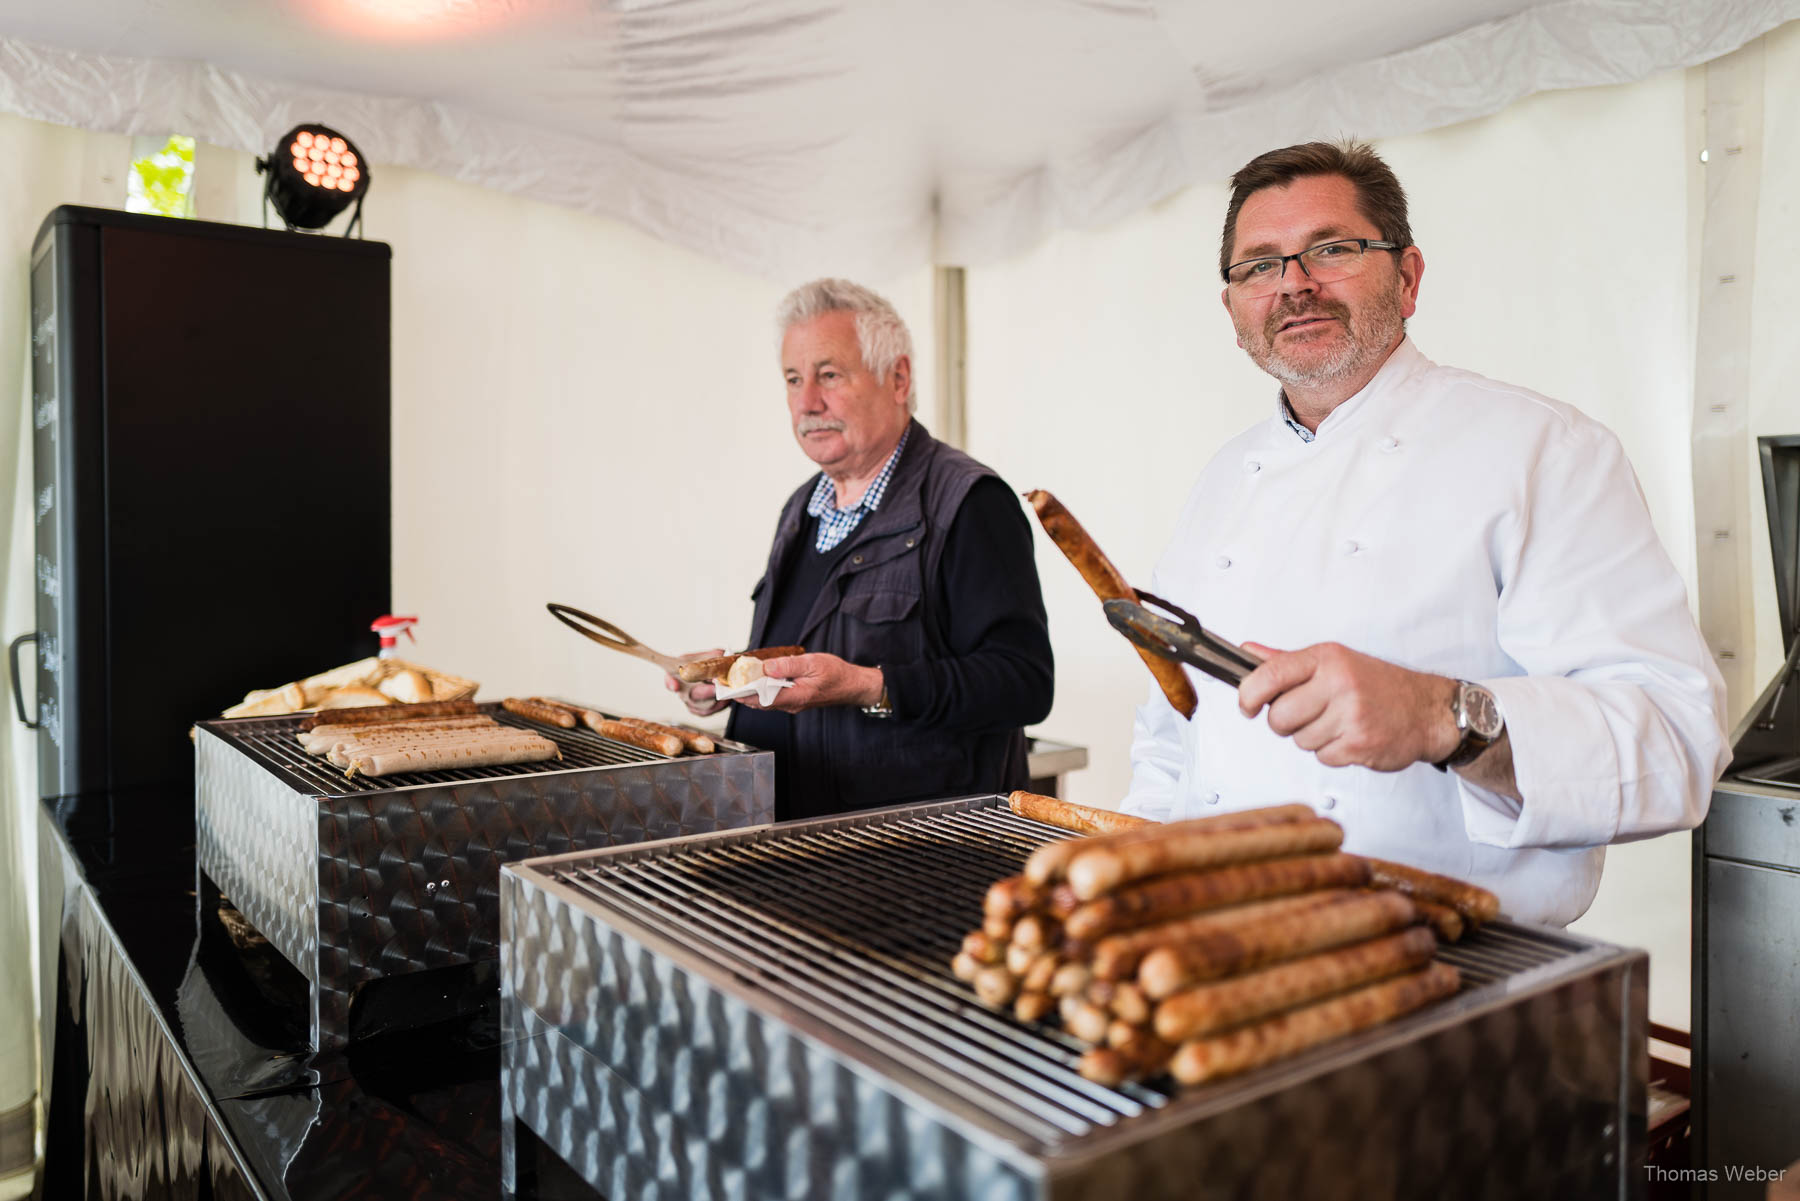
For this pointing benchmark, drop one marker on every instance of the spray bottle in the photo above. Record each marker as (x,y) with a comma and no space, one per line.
(389,628)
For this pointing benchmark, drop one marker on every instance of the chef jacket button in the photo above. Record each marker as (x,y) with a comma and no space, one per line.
(1252,466)
(1211,798)
(909,542)
(1351,546)
(856,558)
(1329,802)
(1222,562)
(1390,443)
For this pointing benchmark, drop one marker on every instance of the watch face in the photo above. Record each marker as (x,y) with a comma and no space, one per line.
(1483,711)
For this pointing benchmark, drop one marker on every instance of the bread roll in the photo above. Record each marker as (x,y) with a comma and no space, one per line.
(354,697)
(745,671)
(407,687)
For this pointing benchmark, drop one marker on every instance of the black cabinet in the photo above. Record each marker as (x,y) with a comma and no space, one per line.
(212,435)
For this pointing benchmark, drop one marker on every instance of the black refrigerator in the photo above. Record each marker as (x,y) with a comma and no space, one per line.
(210,410)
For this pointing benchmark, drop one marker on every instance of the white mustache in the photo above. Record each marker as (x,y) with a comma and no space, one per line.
(812,425)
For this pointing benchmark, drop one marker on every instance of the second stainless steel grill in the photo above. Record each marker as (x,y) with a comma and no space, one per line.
(271,742)
(353,879)
(774,1008)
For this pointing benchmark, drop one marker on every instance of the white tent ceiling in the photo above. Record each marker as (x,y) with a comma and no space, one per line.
(789,137)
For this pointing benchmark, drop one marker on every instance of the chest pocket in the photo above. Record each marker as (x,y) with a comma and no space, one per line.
(880,616)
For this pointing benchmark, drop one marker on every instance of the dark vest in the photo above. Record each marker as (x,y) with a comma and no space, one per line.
(879,605)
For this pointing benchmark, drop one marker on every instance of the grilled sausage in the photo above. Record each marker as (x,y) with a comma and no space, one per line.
(701,671)
(348,750)
(1033,1006)
(1477,905)
(1088,1022)
(1347,919)
(1080,818)
(522,747)
(412,723)
(1200,1060)
(574,711)
(1011,898)
(1037,931)
(1071,979)
(694,740)
(1210,1008)
(1171,897)
(323,738)
(965,967)
(618,731)
(983,949)
(996,986)
(1108,583)
(1050,862)
(1038,975)
(549,715)
(1098,870)
(387,713)
(1134,1059)
(1117,956)
(1446,921)
(1129,1004)
(1019,959)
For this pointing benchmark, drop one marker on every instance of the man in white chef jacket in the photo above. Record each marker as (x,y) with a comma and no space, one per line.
(1478,657)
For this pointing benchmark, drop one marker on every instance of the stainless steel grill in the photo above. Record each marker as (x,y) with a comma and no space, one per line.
(271,742)
(636,978)
(353,879)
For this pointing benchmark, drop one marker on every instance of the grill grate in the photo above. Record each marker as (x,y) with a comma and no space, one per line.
(855,922)
(270,741)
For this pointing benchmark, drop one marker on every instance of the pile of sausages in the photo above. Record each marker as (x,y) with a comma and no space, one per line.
(385,740)
(1205,948)
(650,735)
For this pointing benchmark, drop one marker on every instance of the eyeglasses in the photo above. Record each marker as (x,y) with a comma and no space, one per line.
(1323,263)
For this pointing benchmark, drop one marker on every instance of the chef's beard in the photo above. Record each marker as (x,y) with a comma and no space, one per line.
(1367,339)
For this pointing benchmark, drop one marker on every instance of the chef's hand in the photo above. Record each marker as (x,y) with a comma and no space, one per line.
(820,680)
(697,697)
(1352,709)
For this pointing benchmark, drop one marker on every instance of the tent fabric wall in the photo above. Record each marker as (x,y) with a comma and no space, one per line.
(799,137)
(66,166)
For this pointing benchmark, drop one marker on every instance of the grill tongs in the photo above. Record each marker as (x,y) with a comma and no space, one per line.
(1179,636)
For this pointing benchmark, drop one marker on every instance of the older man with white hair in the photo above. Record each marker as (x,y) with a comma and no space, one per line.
(905,568)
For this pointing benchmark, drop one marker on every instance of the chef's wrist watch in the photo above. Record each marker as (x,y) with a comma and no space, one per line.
(1478,720)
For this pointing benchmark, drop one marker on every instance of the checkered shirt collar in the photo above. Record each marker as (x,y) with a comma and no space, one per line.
(1287,414)
(836,524)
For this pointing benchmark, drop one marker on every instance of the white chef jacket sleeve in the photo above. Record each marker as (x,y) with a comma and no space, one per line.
(1617,727)
(1158,755)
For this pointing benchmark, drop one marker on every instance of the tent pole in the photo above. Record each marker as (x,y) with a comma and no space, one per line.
(950,318)
(1722,447)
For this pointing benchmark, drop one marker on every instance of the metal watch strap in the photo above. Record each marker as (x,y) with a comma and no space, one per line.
(880,708)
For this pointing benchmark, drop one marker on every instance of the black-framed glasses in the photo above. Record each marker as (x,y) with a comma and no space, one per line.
(1323,263)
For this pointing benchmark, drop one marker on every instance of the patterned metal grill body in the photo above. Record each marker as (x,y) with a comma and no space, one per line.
(357,879)
(769,1014)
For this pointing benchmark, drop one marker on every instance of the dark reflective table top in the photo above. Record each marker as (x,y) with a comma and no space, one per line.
(406,1113)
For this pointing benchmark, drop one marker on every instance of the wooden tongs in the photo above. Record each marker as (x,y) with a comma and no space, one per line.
(611,636)
(1179,636)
